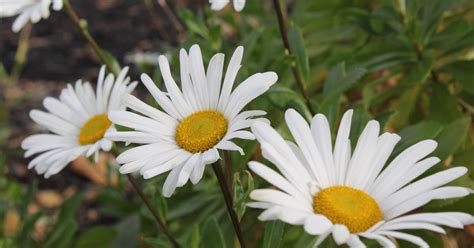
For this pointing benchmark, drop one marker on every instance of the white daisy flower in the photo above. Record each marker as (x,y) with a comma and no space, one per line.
(220,4)
(28,10)
(197,121)
(78,121)
(330,191)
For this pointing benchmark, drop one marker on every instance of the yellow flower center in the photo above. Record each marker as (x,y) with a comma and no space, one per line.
(94,129)
(201,131)
(351,207)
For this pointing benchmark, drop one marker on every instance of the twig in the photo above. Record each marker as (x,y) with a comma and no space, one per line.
(82,25)
(172,17)
(466,105)
(152,210)
(155,21)
(229,202)
(286,44)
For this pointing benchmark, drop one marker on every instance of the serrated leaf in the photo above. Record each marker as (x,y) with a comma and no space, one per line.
(297,47)
(212,235)
(273,234)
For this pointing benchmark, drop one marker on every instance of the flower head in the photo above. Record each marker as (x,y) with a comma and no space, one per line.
(220,4)
(78,121)
(330,191)
(28,10)
(198,120)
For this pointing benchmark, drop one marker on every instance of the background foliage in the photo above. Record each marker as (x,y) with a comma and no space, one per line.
(408,64)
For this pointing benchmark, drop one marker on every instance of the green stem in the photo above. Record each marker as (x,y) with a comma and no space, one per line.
(155,214)
(286,44)
(226,191)
(21,52)
(82,25)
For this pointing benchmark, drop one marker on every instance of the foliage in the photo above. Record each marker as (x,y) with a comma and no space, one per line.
(409,66)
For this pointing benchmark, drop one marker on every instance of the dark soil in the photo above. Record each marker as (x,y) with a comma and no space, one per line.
(59,52)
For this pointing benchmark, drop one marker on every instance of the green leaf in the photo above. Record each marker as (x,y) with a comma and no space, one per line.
(161,205)
(62,234)
(404,108)
(25,238)
(194,238)
(280,96)
(65,226)
(450,34)
(360,118)
(127,232)
(419,71)
(113,202)
(69,207)
(285,98)
(273,234)
(432,13)
(159,242)
(452,136)
(339,81)
(463,73)
(466,42)
(297,47)
(329,243)
(241,192)
(99,236)
(212,235)
(465,158)
(112,61)
(192,23)
(443,106)
(416,133)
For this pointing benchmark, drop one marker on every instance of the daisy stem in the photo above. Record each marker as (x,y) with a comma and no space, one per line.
(155,214)
(229,202)
(286,44)
(83,27)
(21,53)
(228,171)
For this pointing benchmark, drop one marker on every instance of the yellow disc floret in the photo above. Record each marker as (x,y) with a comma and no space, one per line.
(201,131)
(94,129)
(351,207)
